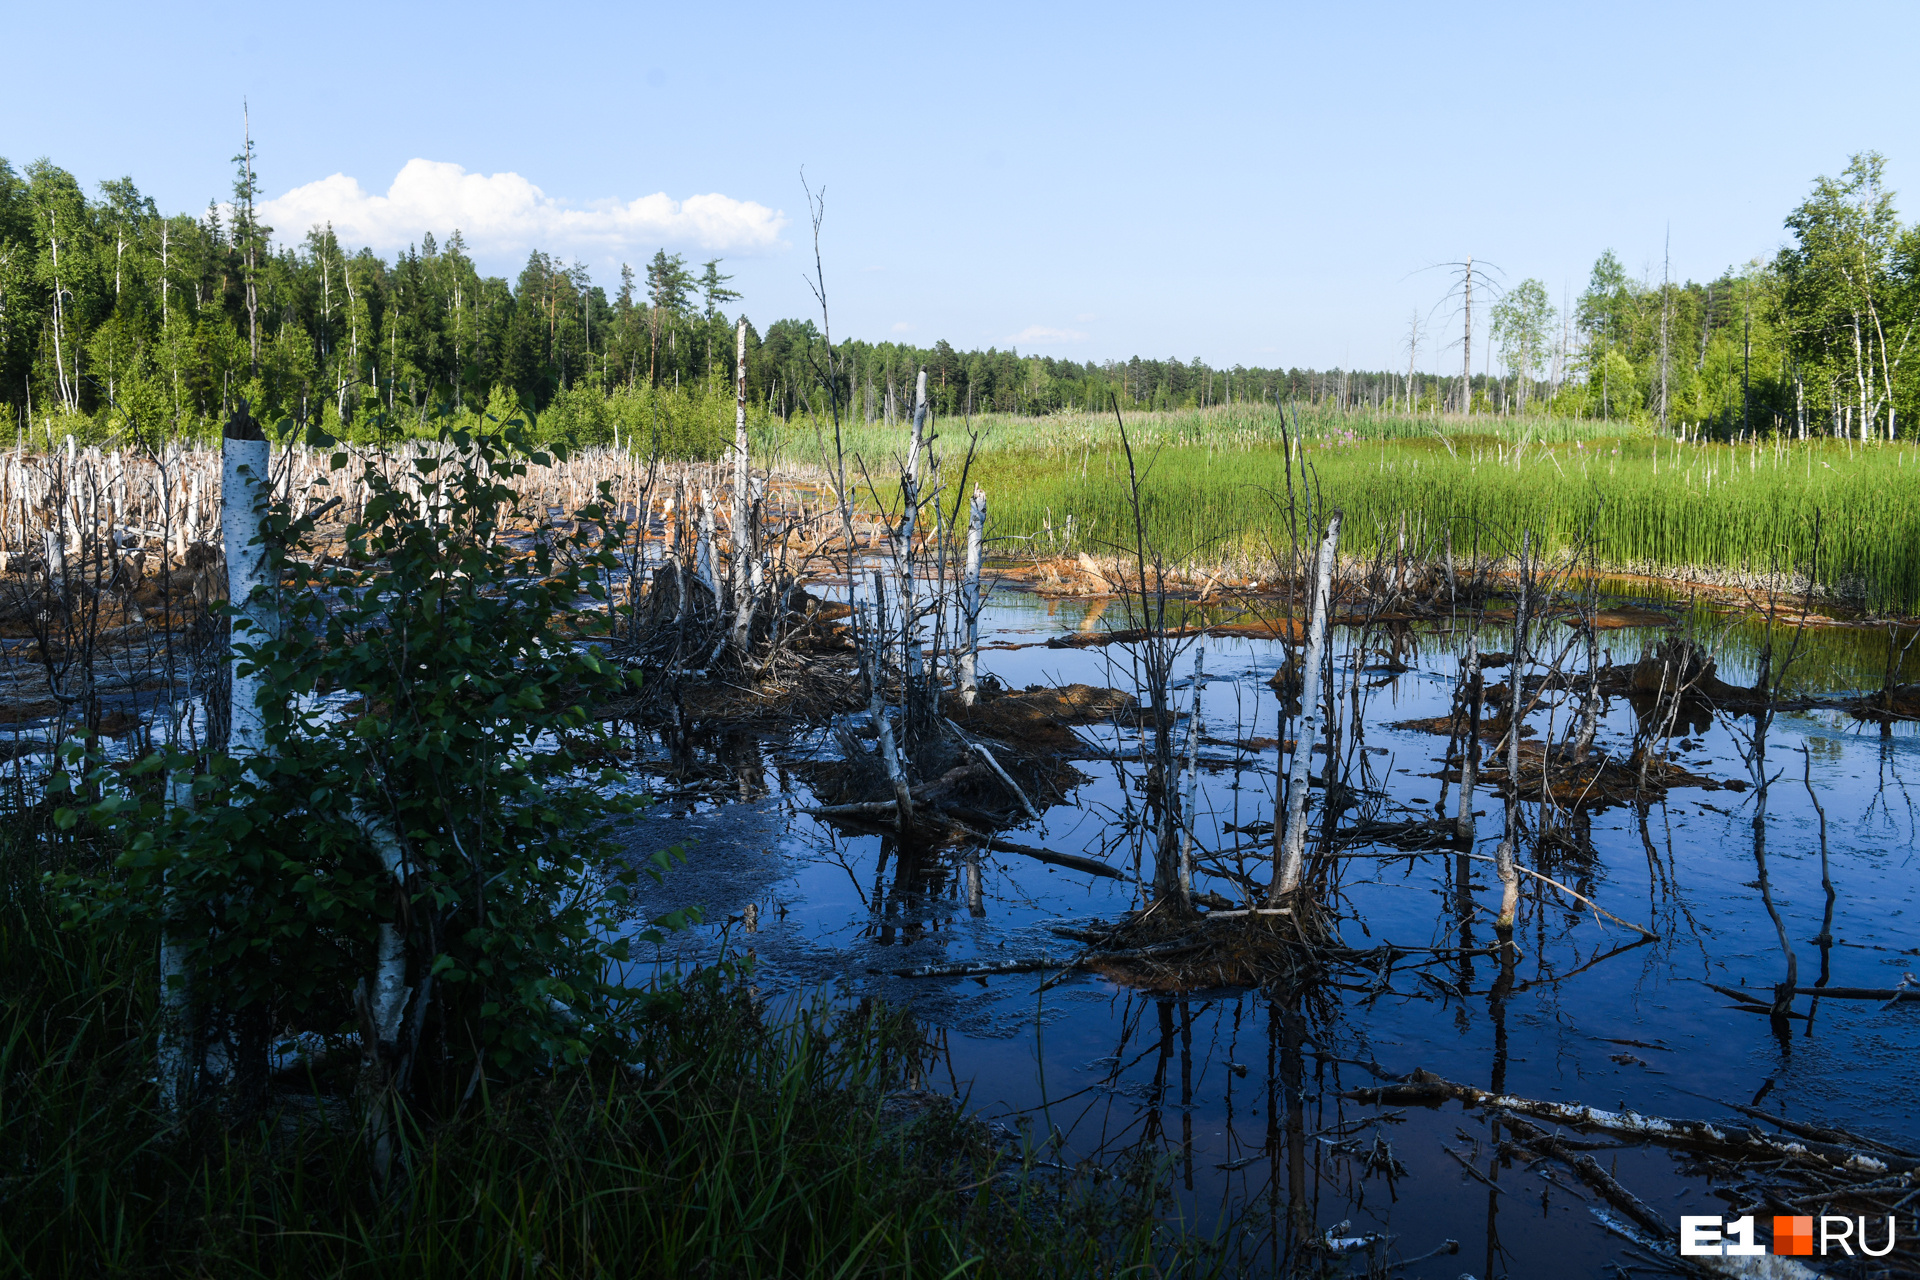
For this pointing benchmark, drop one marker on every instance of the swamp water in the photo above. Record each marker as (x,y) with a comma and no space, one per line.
(1239,1091)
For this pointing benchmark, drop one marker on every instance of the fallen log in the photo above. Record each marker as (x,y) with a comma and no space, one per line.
(1740,1142)
(1074,861)
(1085,960)
(1541,1142)
(1820,1133)
(979,969)
(876,809)
(860,809)
(1902,995)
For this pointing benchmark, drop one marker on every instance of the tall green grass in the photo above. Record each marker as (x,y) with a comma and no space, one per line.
(1214,485)
(1242,426)
(748,1146)
(1645,505)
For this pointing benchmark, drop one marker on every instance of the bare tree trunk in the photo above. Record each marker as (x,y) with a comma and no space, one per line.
(1466,346)
(1286,880)
(175,1054)
(877,709)
(1516,708)
(703,567)
(1471,690)
(244,493)
(970,599)
(913,696)
(745,544)
(1590,701)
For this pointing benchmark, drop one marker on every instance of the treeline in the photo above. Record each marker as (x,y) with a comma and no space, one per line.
(115,317)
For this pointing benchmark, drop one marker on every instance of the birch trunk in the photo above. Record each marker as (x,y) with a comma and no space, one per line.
(745,548)
(970,599)
(56,553)
(383,1008)
(877,710)
(703,547)
(244,486)
(1293,849)
(910,673)
(175,1053)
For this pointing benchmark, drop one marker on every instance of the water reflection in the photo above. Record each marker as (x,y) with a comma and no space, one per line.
(1579,1008)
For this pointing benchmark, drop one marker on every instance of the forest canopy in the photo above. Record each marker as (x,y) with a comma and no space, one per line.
(116,318)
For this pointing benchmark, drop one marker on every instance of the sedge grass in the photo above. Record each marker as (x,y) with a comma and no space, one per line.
(1214,486)
(1220,427)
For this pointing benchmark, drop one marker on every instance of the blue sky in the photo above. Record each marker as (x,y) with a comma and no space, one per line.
(1256,184)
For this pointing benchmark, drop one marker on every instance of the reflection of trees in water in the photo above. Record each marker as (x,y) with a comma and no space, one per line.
(729,760)
(919,896)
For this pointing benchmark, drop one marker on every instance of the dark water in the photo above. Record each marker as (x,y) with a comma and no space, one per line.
(1239,1091)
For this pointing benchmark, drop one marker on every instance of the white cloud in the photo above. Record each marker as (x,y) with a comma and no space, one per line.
(502,215)
(902,327)
(1039,333)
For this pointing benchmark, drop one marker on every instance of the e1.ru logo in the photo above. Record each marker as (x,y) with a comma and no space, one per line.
(1792,1237)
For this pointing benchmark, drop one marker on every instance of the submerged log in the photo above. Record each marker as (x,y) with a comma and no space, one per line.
(1737,1142)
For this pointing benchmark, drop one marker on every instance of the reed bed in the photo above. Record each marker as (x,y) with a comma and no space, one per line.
(1764,511)
(1240,426)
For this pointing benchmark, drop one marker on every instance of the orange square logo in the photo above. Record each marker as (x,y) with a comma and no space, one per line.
(1793,1237)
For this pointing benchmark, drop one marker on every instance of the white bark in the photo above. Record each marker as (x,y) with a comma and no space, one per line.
(703,546)
(1504,856)
(745,550)
(970,599)
(910,500)
(1293,848)
(56,552)
(244,487)
(390,989)
(877,710)
(1006,779)
(175,1054)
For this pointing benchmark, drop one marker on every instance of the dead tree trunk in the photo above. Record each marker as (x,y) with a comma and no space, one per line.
(1472,692)
(1516,710)
(1293,849)
(745,544)
(970,599)
(915,698)
(877,709)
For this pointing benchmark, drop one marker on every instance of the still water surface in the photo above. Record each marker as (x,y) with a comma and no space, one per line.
(1217,1081)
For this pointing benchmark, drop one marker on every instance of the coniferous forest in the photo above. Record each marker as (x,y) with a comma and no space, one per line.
(115,317)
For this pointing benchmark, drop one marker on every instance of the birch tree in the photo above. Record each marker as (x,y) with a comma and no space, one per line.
(1522,322)
(1851,314)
